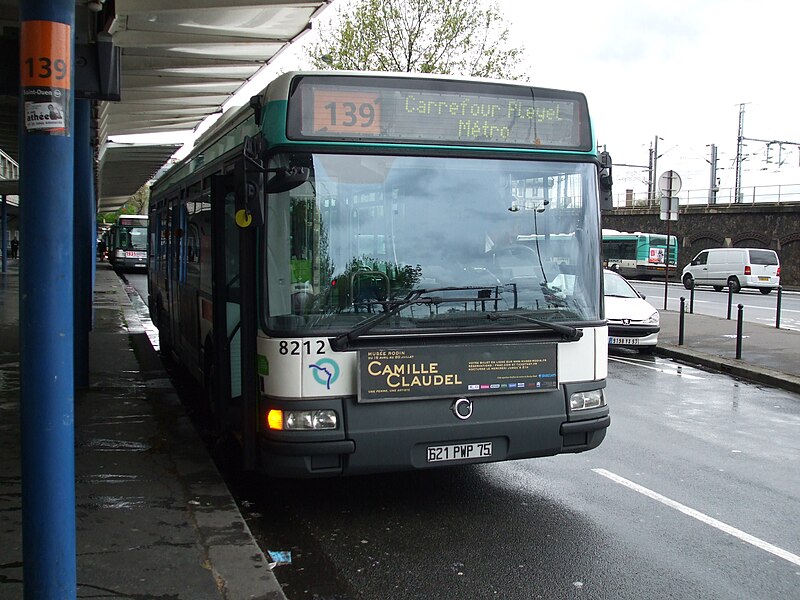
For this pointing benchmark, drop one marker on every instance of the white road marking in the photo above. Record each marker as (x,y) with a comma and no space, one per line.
(648,365)
(703,518)
(771,308)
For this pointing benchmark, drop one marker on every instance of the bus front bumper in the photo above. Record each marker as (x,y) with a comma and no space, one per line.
(386,437)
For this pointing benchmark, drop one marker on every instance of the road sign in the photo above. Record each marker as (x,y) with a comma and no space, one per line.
(669,209)
(669,183)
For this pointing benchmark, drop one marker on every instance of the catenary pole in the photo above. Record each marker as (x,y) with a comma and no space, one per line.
(46,299)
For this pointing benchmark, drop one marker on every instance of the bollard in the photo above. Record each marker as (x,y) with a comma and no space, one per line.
(691,300)
(778,309)
(681,321)
(730,301)
(739,331)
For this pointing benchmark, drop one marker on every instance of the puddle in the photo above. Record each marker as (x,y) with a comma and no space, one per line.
(111,445)
(98,478)
(113,502)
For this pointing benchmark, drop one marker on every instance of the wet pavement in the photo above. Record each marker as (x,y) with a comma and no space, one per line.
(154,518)
(769,355)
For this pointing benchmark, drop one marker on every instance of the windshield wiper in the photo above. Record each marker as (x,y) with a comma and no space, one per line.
(568,332)
(343,341)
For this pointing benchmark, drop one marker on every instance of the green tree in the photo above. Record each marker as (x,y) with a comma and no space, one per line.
(139,202)
(136,205)
(449,37)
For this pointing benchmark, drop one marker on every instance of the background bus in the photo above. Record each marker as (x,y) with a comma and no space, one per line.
(352,268)
(127,243)
(638,255)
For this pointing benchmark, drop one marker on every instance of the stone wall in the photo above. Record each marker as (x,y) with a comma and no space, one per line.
(699,227)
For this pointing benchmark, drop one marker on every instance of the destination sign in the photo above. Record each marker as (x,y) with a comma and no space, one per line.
(131,222)
(468,370)
(431,111)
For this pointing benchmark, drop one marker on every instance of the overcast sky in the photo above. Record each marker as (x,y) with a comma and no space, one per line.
(676,69)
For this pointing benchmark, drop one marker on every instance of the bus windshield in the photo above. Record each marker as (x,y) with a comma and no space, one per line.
(133,238)
(459,237)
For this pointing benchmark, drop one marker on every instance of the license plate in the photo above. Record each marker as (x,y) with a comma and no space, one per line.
(460,451)
(763,278)
(624,341)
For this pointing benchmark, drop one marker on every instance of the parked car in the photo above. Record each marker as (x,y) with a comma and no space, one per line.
(632,321)
(735,268)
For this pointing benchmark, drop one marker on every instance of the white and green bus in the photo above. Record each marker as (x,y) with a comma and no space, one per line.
(639,255)
(377,272)
(127,243)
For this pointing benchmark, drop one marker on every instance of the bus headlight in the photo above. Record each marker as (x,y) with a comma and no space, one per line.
(302,420)
(587,400)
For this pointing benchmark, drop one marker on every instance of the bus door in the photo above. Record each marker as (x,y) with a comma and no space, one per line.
(225,298)
(183,296)
(171,268)
(234,313)
(159,278)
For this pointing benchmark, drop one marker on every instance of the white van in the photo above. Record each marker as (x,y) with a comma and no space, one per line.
(735,268)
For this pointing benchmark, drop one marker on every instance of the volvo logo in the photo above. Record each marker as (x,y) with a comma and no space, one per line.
(462,408)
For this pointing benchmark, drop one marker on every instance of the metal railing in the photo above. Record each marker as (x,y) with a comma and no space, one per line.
(772,194)
(9,168)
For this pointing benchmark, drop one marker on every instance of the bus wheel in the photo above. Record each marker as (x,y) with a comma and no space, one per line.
(688,282)
(734,285)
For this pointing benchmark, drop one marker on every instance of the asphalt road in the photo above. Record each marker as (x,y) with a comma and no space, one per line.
(758,308)
(139,282)
(693,494)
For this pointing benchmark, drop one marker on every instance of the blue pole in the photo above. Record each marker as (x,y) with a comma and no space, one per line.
(85,240)
(46,299)
(4,227)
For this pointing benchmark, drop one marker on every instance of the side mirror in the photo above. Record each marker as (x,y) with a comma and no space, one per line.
(606,182)
(287,178)
(249,178)
(257,106)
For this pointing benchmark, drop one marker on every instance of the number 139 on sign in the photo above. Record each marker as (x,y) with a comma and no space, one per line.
(347,112)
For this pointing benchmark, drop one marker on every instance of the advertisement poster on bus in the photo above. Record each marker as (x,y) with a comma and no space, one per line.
(657,256)
(471,370)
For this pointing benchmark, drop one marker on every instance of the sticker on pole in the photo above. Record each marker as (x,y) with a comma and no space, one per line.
(45,76)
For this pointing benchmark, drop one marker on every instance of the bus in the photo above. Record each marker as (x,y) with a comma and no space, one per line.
(343,266)
(126,243)
(639,255)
